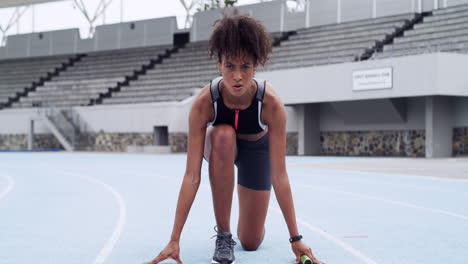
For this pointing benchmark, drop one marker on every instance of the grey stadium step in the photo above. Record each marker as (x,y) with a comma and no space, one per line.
(452,9)
(338,44)
(385,31)
(427,43)
(351,31)
(376,21)
(450,27)
(442,36)
(308,63)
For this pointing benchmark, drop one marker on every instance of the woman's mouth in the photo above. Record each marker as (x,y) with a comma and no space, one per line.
(237,87)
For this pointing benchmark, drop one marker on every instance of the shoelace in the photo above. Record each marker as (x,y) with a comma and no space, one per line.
(223,243)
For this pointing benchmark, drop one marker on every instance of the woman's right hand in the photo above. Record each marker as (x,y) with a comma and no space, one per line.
(171,251)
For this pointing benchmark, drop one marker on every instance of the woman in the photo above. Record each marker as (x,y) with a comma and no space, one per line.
(238,120)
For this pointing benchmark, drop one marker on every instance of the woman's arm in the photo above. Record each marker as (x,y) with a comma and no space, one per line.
(200,114)
(198,118)
(275,118)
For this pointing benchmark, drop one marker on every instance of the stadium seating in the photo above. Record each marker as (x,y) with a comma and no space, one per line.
(93,75)
(18,74)
(335,43)
(446,30)
(177,78)
(118,76)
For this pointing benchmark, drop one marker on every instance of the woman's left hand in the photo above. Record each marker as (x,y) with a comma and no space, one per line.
(299,249)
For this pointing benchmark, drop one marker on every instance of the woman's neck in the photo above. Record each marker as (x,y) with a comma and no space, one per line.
(238,102)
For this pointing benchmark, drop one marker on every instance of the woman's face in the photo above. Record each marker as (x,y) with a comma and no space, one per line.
(238,73)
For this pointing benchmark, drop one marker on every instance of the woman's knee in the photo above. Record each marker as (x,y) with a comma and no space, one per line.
(251,242)
(223,139)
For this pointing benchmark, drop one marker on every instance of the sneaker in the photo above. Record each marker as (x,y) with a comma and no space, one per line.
(224,251)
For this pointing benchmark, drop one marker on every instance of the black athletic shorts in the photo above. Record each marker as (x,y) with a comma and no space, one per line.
(253,164)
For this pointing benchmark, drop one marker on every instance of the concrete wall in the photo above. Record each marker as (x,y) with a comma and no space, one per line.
(272,15)
(456,2)
(323,12)
(294,21)
(16,121)
(65,41)
(356,10)
(2,52)
(136,33)
(18,46)
(460,110)
(136,118)
(160,31)
(86,45)
(413,76)
(330,120)
(42,43)
(113,36)
(394,7)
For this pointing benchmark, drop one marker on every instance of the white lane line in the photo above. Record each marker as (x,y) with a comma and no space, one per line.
(404,204)
(11,184)
(373,173)
(344,245)
(110,244)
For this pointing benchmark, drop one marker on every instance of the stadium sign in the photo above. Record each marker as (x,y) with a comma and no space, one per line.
(373,79)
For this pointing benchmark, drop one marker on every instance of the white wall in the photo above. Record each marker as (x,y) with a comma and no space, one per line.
(271,14)
(331,121)
(420,75)
(356,10)
(157,31)
(395,7)
(16,121)
(136,118)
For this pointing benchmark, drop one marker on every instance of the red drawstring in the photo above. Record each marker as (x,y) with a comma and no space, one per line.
(236,120)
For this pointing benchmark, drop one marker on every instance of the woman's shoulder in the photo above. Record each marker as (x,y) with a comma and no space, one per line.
(203,103)
(204,95)
(271,97)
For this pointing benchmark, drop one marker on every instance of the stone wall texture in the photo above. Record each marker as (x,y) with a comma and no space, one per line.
(409,143)
(20,142)
(118,142)
(460,141)
(178,142)
(292,140)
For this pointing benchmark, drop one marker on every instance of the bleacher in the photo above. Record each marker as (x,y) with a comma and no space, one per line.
(446,30)
(18,74)
(93,75)
(118,76)
(177,78)
(335,43)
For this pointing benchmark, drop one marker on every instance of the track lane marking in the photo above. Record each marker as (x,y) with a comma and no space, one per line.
(112,241)
(400,203)
(10,186)
(342,244)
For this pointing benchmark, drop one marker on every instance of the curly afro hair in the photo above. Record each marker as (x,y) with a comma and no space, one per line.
(240,35)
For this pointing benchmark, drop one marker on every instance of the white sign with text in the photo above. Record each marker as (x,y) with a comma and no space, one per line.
(373,79)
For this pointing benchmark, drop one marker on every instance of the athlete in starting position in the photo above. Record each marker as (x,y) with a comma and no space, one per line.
(238,120)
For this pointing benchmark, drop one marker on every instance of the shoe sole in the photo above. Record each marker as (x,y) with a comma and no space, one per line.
(226,262)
